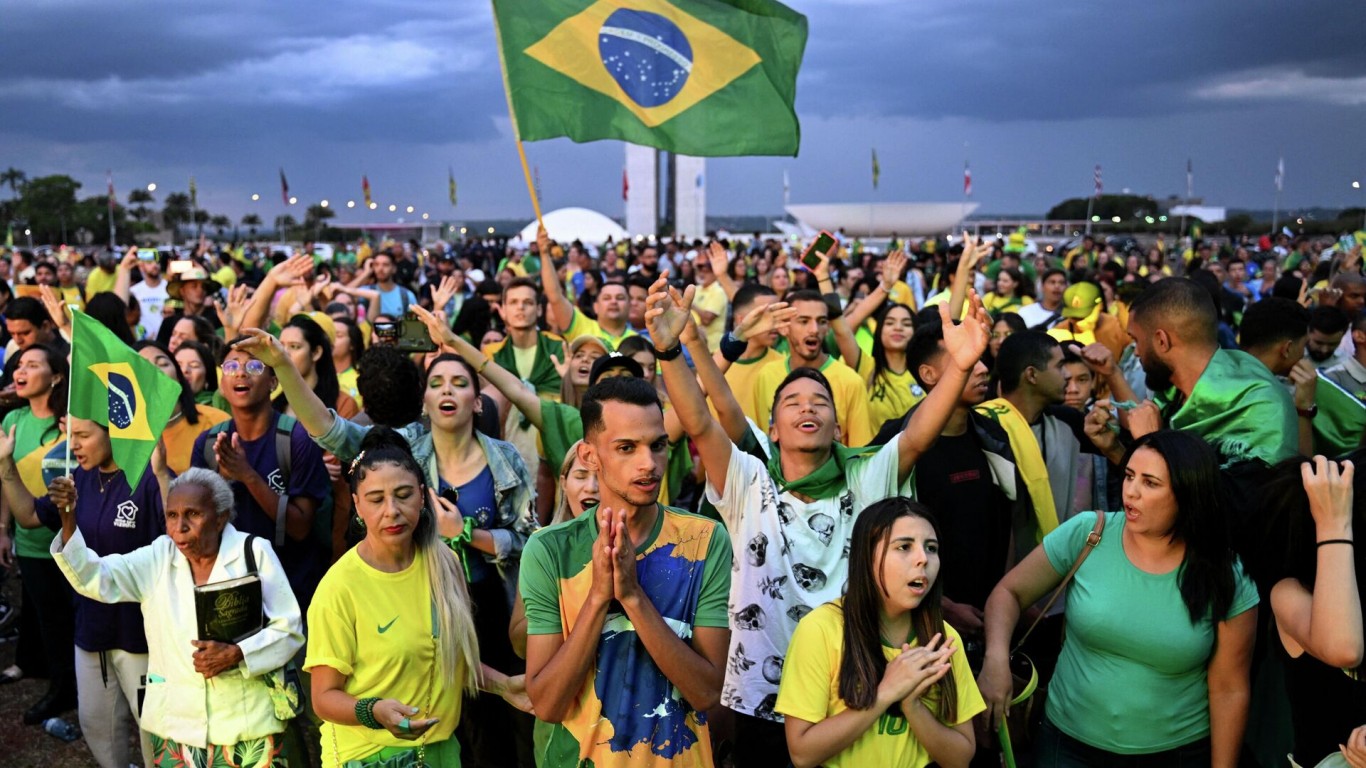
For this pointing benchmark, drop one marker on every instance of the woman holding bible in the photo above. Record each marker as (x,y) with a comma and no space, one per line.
(206,703)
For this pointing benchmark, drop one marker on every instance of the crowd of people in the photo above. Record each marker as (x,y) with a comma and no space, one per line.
(733,502)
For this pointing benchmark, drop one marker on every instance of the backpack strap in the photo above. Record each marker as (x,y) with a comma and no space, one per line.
(284,430)
(211,435)
(249,552)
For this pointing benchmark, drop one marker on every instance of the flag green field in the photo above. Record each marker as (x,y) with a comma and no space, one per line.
(114,386)
(1341,419)
(696,77)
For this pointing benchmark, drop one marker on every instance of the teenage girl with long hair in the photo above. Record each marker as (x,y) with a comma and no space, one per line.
(877,677)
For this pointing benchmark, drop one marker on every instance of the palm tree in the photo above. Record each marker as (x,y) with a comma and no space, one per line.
(283,224)
(251,221)
(177,212)
(141,197)
(15,178)
(220,223)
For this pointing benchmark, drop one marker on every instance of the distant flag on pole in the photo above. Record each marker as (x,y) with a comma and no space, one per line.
(284,187)
(364,188)
(787,188)
(1190,180)
(536,173)
(1100,185)
(112,199)
(194,195)
(967,180)
(450,184)
(625,185)
(1280,173)
(877,170)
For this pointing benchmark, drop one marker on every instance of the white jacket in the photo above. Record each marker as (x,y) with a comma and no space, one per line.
(180,703)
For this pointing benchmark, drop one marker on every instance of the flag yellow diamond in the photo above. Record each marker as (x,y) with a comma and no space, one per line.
(648,55)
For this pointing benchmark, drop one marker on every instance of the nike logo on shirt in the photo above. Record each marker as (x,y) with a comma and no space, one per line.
(385,627)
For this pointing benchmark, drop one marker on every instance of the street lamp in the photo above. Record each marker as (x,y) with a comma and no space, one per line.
(392,208)
(426,216)
(373,206)
(410,209)
(293,200)
(1115,219)
(323,203)
(151,187)
(255,197)
(350,203)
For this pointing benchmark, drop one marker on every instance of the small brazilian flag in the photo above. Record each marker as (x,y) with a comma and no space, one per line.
(115,387)
(696,77)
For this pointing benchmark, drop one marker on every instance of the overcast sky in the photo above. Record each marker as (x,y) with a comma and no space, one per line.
(1034,94)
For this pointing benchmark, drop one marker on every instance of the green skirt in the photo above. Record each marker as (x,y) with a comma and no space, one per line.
(443,754)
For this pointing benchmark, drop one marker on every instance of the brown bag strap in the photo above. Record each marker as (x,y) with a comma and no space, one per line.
(1092,539)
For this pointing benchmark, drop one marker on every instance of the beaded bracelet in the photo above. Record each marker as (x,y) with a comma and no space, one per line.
(365,712)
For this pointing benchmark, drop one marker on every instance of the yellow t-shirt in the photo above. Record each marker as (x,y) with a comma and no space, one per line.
(226,276)
(712,298)
(347,380)
(851,398)
(99,281)
(583,325)
(72,295)
(810,692)
(180,436)
(890,396)
(376,629)
(902,294)
(742,376)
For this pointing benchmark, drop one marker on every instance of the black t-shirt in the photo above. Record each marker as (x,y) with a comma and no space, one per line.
(954,480)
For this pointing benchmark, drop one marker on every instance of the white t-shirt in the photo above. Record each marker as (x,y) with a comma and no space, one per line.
(1036,313)
(790,557)
(152,300)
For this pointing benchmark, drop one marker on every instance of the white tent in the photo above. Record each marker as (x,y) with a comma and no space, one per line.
(568,224)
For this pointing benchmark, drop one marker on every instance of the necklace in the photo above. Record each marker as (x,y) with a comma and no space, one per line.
(104,484)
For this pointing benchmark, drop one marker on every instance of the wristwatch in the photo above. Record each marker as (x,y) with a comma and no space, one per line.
(1308,413)
(665,355)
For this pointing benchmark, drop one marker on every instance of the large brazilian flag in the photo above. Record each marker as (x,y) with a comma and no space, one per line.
(696,77)
(115,387)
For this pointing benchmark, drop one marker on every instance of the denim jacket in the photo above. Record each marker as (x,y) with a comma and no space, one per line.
(514,487)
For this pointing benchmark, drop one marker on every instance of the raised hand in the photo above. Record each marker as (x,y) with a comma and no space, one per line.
(231,314)
(291,271)
(444,292)
(667,312)
(768,319)
(1329,489)
(1098,426)
(892,268)
(449,522)
(543,244)
(1144,419)
(263,347)
(720,260)
(56,308)
(561,363)
(966,341)
(437,328)
(973,252)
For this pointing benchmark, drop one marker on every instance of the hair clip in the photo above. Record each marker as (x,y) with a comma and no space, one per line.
(356,461)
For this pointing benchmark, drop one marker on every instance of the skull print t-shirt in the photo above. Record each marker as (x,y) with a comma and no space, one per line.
(790,557)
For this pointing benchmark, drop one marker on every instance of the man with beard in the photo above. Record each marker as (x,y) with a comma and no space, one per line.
(613,306)
(1327,327)
(1227,397)
(806,340)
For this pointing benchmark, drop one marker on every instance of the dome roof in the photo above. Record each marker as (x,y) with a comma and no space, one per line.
(568,224)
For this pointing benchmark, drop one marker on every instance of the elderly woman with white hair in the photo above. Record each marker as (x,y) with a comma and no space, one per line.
(206,703)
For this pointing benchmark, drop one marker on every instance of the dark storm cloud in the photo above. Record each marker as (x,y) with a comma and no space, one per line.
(405,89)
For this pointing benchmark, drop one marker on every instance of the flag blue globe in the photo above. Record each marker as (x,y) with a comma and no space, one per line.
(648,56)
(122,401)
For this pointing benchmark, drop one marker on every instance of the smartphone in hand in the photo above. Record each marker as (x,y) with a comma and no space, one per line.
(822,244)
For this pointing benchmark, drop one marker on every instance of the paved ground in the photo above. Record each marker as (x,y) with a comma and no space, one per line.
(28,746)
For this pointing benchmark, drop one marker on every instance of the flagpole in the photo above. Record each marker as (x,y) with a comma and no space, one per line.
(512,113)
(66,463)
(1276,210)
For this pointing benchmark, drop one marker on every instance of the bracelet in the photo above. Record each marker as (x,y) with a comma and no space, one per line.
(1326,542)
(480,368)
(665,355)
(365,712)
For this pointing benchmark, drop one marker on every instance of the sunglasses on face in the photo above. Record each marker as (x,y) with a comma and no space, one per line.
(253,367)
